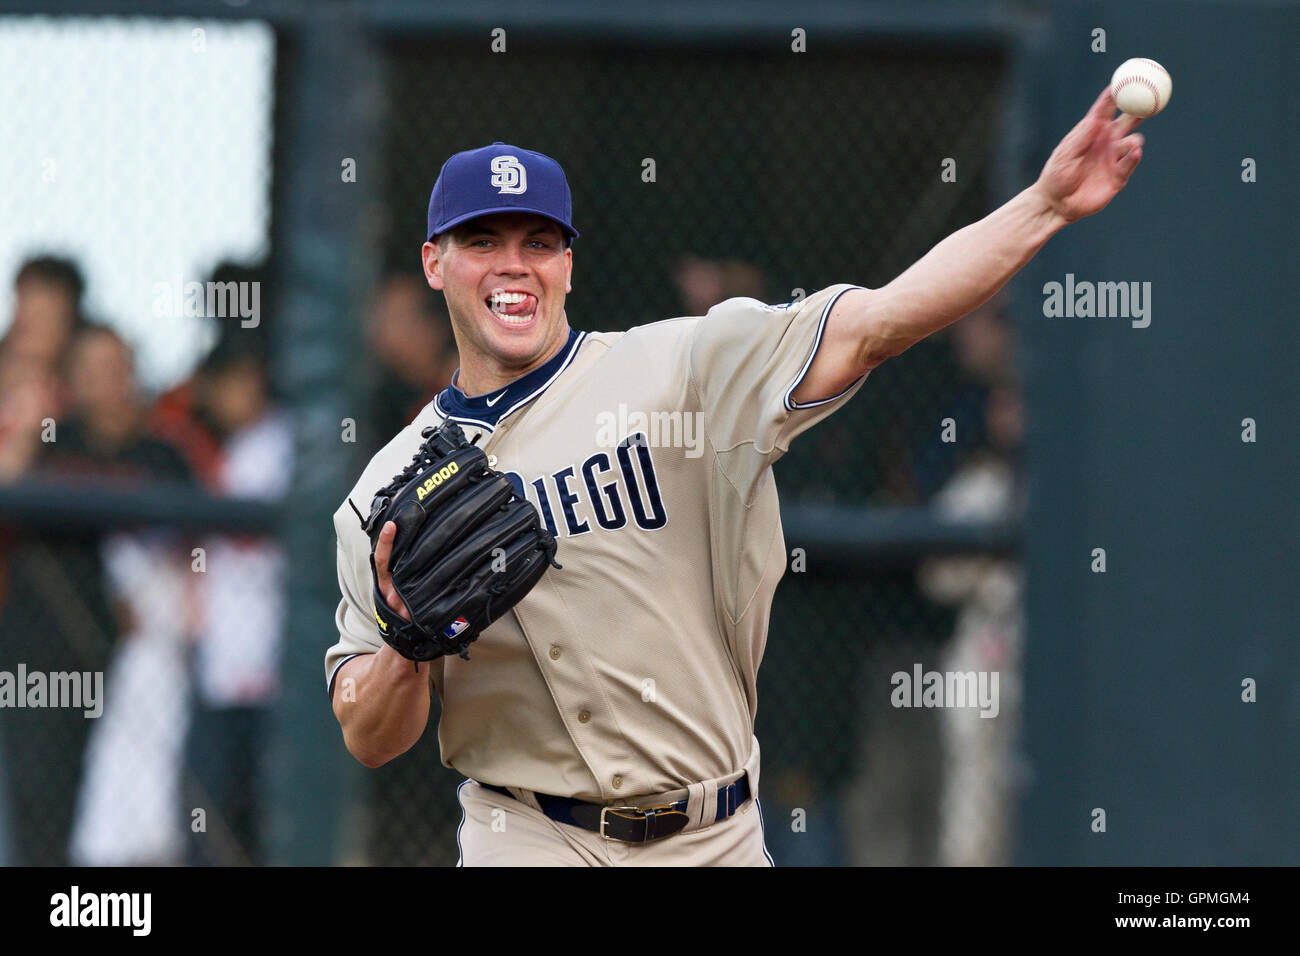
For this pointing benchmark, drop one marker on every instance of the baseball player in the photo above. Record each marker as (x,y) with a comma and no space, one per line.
(608,719)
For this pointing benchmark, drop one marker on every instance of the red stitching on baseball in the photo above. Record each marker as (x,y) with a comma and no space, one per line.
(1155,93)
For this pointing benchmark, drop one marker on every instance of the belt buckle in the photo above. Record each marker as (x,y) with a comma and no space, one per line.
(604,810)
(647,813)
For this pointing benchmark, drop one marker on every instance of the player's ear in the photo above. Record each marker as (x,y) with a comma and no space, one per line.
(429,253)
(568,269)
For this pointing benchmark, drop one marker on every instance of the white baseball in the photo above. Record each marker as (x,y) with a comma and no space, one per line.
(1141,87)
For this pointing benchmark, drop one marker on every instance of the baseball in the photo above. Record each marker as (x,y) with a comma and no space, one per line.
(1141,87)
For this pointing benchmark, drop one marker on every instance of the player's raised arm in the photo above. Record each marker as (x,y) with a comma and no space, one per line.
(1084,173)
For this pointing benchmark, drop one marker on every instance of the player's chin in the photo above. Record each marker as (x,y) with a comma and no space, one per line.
(517,343)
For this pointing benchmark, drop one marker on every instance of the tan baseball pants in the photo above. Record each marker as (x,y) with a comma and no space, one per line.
(497,830)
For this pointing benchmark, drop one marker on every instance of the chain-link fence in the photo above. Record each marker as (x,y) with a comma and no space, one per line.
(138,650)
(699,173)
(140,658)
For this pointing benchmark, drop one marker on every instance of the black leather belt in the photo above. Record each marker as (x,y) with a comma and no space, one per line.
(633,824)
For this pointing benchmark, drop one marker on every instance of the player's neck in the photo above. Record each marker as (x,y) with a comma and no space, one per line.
(481,373)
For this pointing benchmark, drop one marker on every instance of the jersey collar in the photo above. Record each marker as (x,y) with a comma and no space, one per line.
(487,410)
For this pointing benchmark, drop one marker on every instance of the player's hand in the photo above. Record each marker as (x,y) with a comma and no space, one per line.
(1093,162)
(383,549)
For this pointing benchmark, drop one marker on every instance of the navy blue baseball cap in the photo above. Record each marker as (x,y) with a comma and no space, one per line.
(499,178)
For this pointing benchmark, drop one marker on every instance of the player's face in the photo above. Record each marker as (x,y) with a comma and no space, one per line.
(505,278)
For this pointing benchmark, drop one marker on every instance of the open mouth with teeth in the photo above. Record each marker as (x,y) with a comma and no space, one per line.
(512,308)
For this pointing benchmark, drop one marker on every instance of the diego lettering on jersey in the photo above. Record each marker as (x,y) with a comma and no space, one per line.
(608,491)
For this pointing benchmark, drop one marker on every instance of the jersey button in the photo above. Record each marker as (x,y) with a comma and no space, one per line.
(555,653)
(584,716)
(618,780)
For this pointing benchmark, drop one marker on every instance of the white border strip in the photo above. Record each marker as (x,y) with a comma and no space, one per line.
(573,353)
(329,684)
(460,851)
(790,404)
(762,829)
(447,416)
(568,360)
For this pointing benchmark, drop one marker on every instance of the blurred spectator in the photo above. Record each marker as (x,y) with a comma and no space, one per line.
(58,614)
(409,334)
(241,615)
(982,345)
(47,304)
(31,401)
(981,765)
(47,312)
(927,791)
(175,417)
(127,806)
(179,413)
(236,331)
(106,434)
(703,283)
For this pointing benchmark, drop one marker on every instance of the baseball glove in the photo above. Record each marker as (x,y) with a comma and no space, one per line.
(467,547)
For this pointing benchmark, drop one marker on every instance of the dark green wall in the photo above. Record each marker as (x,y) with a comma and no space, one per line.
(1134,676)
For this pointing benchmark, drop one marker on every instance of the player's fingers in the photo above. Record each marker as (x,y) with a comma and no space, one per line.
(383,550)
(1104,105)
(1129,163)
(1125,124)
(1128,144)
(1080,139)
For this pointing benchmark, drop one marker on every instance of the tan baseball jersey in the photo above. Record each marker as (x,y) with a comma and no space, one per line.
(632,670)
